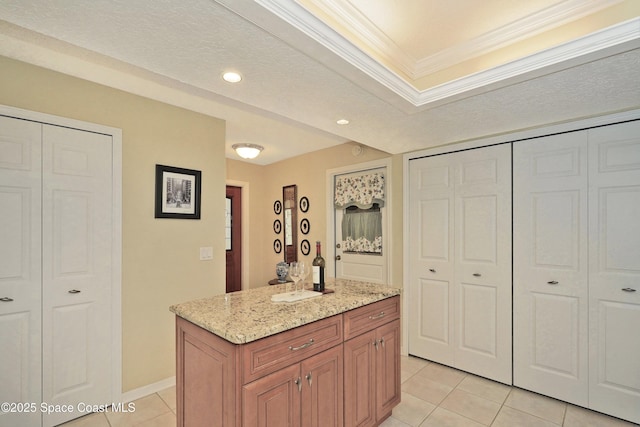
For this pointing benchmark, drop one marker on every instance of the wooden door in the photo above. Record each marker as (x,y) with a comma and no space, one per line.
(322,389)
(77,268)
(273,400)
(359,381)
(20,268)
(550,266)
(234,238)
(614,270)
(431,216)
(388,391)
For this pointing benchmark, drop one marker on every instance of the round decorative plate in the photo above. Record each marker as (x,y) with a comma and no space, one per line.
(305,226)
(277,226)
(277,207)
(305,247)
(304,204)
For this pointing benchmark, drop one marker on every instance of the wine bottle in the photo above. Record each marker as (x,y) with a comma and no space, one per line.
(318,270)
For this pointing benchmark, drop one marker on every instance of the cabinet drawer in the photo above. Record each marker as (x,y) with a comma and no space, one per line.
(370,316)
(272,353)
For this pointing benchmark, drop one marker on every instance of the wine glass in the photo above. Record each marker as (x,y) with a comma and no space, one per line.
(298,271)
(303,272)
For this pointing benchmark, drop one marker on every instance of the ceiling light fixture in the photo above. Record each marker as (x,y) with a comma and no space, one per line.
(231,77)
(247,151)
(343,122)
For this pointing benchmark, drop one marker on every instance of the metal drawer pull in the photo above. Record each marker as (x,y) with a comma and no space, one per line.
(74,291)
(377,316)
(298,383)
(305,345)
(308,377)
(375,344)
(433,270)
(382,341)
(477,274)
(552,282)
(628,289)
(6,299)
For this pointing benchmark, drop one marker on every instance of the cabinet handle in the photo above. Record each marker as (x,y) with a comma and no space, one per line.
(74,291)
(477,274)
(308,377)
(382,342)
(433,270)
(552,282)
(338,258)
(6,299)
(375,344)
(305,345)
(628,289)
(298,383)
(377,316)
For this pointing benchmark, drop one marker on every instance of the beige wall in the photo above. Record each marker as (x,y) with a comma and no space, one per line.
(160,264)
(308,172)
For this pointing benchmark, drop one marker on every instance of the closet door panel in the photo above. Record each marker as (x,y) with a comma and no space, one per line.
(482,279)
(20,268)
(76,268)
(431,221)
(614,270)
(550,266)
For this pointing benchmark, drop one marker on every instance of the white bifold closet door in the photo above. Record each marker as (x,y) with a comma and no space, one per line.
(577,268)
(460,260)
(55,268)
(550,266)
(614,270)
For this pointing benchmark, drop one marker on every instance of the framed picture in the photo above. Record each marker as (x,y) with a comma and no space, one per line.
(277,207)
(277,246)
(305,226)
(305,247)
(304,204)
(177,192)
(277,226)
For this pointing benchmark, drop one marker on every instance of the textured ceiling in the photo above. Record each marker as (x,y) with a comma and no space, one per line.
(301,73)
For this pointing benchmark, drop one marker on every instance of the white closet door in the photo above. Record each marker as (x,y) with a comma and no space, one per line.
(431,216)
(77,229)
(460,260)
(550,313)
(614,270)
(20,273)
(482,291)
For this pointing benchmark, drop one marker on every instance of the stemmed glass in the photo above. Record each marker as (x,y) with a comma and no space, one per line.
(298,271)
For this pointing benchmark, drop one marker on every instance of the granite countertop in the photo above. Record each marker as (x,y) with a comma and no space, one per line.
(249,315)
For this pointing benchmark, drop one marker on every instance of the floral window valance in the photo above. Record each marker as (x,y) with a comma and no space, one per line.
(361,191)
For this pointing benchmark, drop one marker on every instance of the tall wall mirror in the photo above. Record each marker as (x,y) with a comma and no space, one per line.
(290,212)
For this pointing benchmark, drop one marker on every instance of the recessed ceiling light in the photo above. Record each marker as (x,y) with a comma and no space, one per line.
(231,77)
(343,122)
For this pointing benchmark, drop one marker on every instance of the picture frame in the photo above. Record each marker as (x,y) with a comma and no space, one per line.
(305,247)
(305,226)
(277,207)
(304,204)
(277,246)
(177,192)
(277,226)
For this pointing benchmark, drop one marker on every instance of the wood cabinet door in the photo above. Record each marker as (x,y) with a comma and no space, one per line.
(387,368)
(273,400)
(359,380)
(322,390)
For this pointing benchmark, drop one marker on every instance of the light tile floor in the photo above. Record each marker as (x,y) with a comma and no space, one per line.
(433,395)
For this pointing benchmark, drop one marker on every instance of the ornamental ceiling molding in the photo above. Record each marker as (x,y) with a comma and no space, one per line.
(618,38)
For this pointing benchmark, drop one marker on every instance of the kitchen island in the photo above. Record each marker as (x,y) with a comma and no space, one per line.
(243,360)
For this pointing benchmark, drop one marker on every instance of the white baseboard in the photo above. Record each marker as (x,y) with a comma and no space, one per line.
(146,390)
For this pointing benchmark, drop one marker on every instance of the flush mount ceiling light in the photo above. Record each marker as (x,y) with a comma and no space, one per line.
(343,122)
(231,77)
(247,151)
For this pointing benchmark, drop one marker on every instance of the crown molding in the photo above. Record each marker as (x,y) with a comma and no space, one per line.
(625,36)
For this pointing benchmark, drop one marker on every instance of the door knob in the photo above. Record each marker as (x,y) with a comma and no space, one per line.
(338,246)
(338,258)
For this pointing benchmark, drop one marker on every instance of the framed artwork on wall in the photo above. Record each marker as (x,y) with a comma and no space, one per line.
(177,192)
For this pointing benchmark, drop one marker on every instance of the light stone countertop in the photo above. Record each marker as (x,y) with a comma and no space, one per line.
(245,316)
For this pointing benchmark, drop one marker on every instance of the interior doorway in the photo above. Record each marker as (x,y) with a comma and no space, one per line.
(233,237)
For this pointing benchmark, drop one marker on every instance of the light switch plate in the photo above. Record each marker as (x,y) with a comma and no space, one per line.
(206,253)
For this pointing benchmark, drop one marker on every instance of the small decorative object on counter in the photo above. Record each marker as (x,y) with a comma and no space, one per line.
(282,268)
(318,270)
